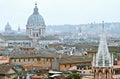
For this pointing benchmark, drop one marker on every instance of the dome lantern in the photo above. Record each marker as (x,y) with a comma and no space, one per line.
(35,9)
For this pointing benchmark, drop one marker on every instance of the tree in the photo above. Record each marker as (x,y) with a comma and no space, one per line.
(74,76)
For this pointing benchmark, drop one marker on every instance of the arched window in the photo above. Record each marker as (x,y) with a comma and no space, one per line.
(37,35)
(100,75)
(33,34)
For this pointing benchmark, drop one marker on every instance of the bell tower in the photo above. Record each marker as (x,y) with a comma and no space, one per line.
(103,60)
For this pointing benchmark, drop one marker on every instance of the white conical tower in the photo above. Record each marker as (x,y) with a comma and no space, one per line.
(103,60)
(103,57)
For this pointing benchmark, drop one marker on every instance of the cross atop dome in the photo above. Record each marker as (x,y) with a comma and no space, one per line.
(35,9)
(35,4)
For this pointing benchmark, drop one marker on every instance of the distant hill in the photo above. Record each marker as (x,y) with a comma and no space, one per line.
(112,28)
(60,28)
(92,28)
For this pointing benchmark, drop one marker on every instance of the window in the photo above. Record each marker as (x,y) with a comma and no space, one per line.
(33,35)
(65,65)
(37,35)
(14,60)
(19,60)
(40,31)
(24,60)
(38,59)
(46,59)
(28,59)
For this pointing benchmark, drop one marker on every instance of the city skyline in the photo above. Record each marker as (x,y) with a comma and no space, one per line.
(59,12)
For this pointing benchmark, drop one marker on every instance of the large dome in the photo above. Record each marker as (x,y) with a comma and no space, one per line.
(8,27)
(35,18)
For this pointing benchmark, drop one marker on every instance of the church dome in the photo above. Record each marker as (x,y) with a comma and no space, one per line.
(8,28)
(35,18)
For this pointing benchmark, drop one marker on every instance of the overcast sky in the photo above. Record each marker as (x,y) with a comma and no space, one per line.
(55,12)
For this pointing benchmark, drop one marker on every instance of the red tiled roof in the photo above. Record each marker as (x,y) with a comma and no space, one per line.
(5,68)
(37,77)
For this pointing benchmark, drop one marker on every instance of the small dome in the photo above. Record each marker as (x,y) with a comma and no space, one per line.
(35,18)
(8,28)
